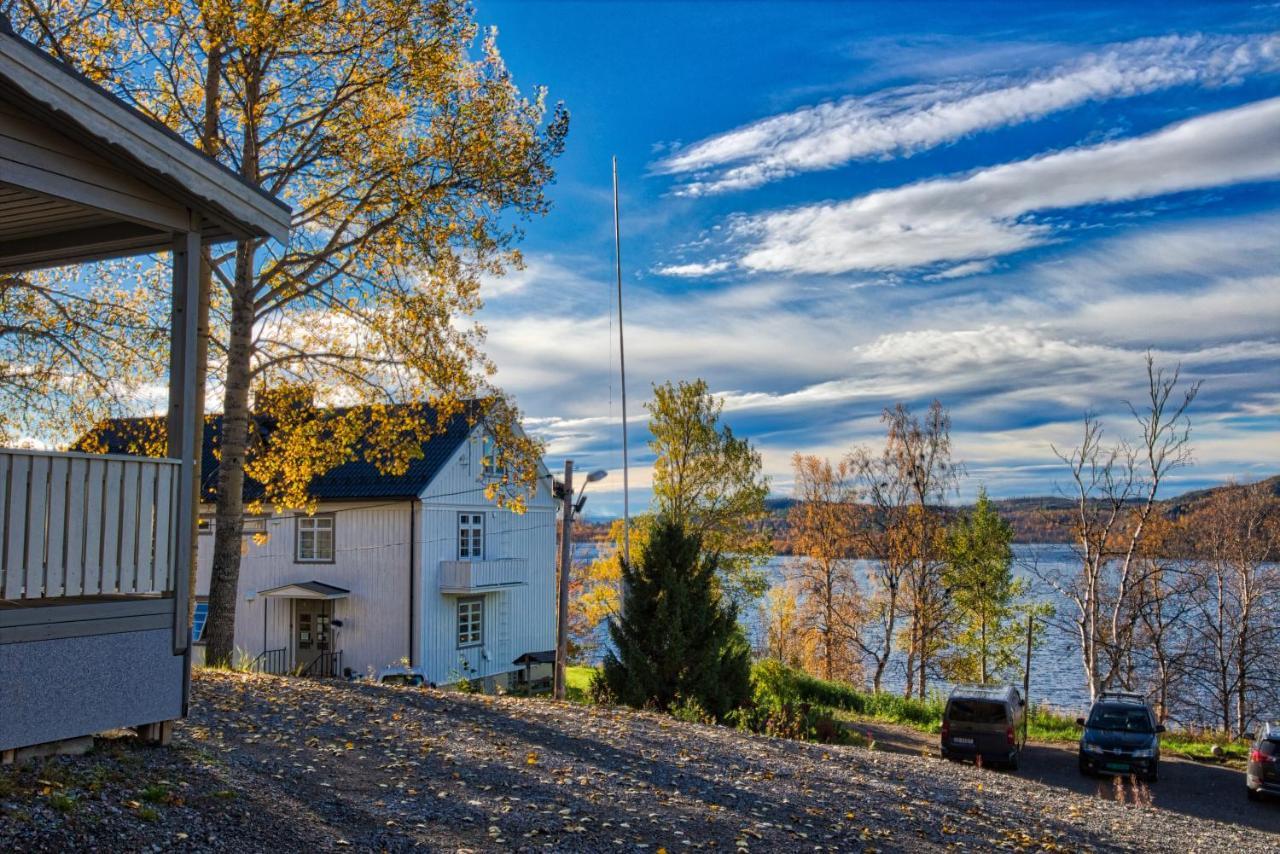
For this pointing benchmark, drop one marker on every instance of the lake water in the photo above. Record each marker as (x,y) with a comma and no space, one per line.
(1057,678)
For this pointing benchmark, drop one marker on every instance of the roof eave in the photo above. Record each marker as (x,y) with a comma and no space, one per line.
(97,118)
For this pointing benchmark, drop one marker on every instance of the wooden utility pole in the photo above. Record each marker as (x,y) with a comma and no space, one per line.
(566,555)
(1026,680)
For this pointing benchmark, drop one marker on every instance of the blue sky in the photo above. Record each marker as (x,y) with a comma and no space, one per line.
(829,208)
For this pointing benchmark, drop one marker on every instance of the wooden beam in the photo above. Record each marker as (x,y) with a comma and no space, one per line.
(183,422)
(80,245)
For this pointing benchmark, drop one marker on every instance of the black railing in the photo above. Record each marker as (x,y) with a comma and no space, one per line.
(326,665)
(273,661)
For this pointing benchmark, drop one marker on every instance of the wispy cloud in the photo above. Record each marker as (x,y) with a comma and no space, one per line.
(987,213)
(694,270)
(900,122)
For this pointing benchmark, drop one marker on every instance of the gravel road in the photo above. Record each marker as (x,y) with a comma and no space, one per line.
(273,764)
(1191,788)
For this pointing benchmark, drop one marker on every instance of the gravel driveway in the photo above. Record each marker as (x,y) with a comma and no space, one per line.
(278,764)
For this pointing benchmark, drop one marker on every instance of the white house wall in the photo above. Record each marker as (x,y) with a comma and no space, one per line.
(371,559)
(516,619)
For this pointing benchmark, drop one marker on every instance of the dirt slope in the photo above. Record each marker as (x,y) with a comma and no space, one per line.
(276,764)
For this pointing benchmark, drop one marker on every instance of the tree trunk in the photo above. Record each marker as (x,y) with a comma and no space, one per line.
(225,581)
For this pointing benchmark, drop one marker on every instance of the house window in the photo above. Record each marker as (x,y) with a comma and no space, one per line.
(470,622)
(315,539)
(198,620)
(253,525)
(470,536)
(205,525)
(490,464)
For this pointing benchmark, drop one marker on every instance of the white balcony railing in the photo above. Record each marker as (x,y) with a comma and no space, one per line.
(477,576)
(85,524)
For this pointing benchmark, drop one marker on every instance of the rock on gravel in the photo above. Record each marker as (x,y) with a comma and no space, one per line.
(276,764)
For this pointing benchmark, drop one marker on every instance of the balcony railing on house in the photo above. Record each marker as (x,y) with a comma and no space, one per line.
(477,576)
(76,526)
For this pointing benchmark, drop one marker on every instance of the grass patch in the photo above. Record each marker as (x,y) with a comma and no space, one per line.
(577,683)
(155,793)
(148,814)
(62,802)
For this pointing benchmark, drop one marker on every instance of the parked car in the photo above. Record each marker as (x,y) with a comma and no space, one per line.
(984,723)
(1121,736)
(412,677)
(1262,776)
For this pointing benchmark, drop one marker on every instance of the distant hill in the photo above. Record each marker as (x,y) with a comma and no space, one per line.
(1035,519)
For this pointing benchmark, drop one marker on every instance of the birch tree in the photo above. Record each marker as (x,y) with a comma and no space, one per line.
(1114,489)
(821,532)
(904,485)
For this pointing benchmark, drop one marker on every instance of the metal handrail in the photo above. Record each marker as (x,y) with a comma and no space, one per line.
(326,665)
(273,661)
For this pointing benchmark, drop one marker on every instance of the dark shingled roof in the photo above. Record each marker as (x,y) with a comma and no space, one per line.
(352,481)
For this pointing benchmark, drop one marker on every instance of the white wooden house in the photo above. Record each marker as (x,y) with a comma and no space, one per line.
(94,549)
(419,569)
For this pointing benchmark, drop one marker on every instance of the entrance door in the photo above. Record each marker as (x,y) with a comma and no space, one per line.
(311,637)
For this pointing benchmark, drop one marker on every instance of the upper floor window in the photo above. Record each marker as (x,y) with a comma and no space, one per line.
(315,539)
(204,525)
(253,525)
(490,461)
(470,536)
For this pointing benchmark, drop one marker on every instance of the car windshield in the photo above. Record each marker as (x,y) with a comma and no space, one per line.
(1121,719)
(976,712)
(1269,747)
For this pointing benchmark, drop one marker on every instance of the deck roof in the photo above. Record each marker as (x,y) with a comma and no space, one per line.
(84,176)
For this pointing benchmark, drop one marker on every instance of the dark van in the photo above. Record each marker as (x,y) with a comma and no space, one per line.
(984,723)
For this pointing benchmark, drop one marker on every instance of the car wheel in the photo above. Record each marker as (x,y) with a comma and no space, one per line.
(1084,769)
(1254,794)
(1013,763)
(1151,776)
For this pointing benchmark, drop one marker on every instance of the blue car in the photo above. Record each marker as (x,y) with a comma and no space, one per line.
(1120,736)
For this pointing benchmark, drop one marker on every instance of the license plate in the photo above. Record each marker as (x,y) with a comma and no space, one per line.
(1117,766)
(962,740)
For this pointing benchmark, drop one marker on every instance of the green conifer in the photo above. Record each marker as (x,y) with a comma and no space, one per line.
(676,642)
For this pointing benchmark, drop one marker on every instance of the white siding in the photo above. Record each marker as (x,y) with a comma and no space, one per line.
(371,559)
(516,619)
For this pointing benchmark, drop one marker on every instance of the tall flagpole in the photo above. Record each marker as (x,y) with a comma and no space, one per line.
(622,364)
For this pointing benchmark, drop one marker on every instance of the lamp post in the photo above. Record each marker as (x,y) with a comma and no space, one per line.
(566,560)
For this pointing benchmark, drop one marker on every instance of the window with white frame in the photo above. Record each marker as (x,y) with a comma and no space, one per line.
(204,525)
(315,539)
(489,461)
(470,536)
(470,622)
(253,525)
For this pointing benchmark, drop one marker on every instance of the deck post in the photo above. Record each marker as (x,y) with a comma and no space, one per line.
(183,417)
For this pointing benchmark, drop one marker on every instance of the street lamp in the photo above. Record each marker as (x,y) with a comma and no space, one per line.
(566,551)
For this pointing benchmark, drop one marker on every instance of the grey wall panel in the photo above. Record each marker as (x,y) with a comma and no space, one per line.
(70,687)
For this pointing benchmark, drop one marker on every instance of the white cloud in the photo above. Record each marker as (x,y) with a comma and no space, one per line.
(694,270)
(900,122)
(986,214)
(959,271)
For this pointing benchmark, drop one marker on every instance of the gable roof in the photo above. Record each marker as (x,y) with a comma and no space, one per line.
(353,481)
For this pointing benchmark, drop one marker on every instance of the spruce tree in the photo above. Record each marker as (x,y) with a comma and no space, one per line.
(676,641)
